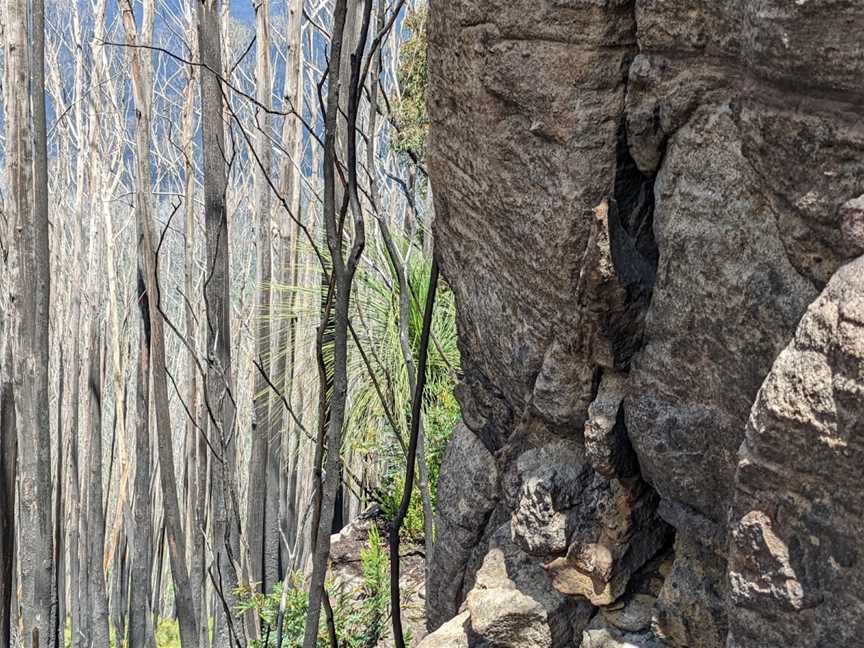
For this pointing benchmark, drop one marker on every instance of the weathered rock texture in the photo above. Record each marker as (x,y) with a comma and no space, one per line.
(796,565)
(637,201)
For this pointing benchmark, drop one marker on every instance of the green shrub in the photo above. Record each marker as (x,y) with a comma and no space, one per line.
(361,617)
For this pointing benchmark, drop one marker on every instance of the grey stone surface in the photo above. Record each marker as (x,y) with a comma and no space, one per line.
(453,634)
(555,485)
(636,202)
(691,606)
(512,605)
(467,495)
(607,445)
(796,571)
(525,105)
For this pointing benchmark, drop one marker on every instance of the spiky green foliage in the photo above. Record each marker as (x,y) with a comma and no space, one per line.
(360,615)
(412,75)
(370,439)
(369,429)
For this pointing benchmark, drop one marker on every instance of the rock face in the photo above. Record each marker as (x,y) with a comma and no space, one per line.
(469,487)
(637,201)
(796,567)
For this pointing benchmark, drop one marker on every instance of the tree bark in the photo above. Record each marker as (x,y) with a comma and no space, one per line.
(74,490)
(8,432)
(262,563)
(28,187)
(416,418)
(95,513)
(219,381)
(341,278)
(8,457)
(141,83)
(287,345)
(400,274)
(140,613)
(59,620)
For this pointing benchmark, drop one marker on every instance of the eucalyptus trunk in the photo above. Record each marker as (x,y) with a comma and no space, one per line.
(27,161)
(95,513)
(140,614)
(341,278)
(141,83)
(219,380)
(288,253)
(8,456)
(262,563)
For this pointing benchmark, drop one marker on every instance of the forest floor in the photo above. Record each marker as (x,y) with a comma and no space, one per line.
(167,635)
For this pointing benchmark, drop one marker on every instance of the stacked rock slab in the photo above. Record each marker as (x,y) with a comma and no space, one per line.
(636,202)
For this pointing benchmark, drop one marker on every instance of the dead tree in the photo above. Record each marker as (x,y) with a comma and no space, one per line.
(140,614)
(141,84)
(400,275)
(95,512)
(265,437)
(416,420)
(8,457)
(27,161)
(198,452)
(219,392)
(288,346)
(341,281)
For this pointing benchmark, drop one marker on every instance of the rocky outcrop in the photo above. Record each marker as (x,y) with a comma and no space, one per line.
(468,490)
(637,201)
(796,567)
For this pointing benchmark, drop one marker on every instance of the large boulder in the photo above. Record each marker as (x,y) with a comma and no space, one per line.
(525,101)
(512,605)
(453,634)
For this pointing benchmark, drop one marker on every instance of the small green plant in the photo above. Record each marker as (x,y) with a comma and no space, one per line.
(376,574)
(266,606)
(360,616)
(168,634)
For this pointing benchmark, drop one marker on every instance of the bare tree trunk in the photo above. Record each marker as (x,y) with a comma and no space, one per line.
(41,225)
(140,614)
(219,380)
(95,512)
(159,569)
(262,563)
(288,256)
(198,453)
(342,279)
(30,213)
(59,620)
(75,500)
(118,598)
(8,432)
(416,418)
(186,613)
(77,571)
(270,570)
(8,456)
(400,272)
